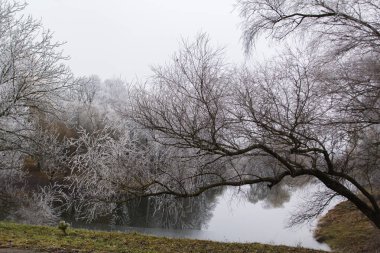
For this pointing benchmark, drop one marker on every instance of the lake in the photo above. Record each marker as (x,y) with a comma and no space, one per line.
(232,218)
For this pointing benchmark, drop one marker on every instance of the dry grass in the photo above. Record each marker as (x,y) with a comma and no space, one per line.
(345,229)
(49,239)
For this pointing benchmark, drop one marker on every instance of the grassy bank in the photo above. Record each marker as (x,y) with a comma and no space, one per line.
(345,229)
(50,239)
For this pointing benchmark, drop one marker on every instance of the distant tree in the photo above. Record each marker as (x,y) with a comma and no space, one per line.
(86,89)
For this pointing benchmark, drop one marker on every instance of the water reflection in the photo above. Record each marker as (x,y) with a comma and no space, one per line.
(221,215)
(168,212)
(274,197)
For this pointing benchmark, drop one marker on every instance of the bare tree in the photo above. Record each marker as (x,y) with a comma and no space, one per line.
(263,125)
(86,89)
(33,82)
(344,25)
(345,33)
(32,75)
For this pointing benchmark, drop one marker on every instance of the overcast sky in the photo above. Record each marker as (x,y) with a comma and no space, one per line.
(123,38)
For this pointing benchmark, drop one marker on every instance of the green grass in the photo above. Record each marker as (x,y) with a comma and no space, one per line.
(345,229)
(51,239)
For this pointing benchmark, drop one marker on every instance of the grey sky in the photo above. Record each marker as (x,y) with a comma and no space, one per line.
(123,38)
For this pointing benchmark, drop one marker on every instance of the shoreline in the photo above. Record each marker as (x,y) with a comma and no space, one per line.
(51,239)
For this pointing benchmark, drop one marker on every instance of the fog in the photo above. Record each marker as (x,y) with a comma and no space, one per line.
(124,39)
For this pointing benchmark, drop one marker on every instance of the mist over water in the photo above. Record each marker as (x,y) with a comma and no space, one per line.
(227,216)
(235,220)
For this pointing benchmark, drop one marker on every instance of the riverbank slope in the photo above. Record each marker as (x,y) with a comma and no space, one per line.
(51,239)
(345,229)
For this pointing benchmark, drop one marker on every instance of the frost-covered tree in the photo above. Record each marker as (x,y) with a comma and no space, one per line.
(111,166)
(33,81)
(341,25)
(32,74)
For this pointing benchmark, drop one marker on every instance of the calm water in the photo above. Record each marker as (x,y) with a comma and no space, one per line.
(234,219)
